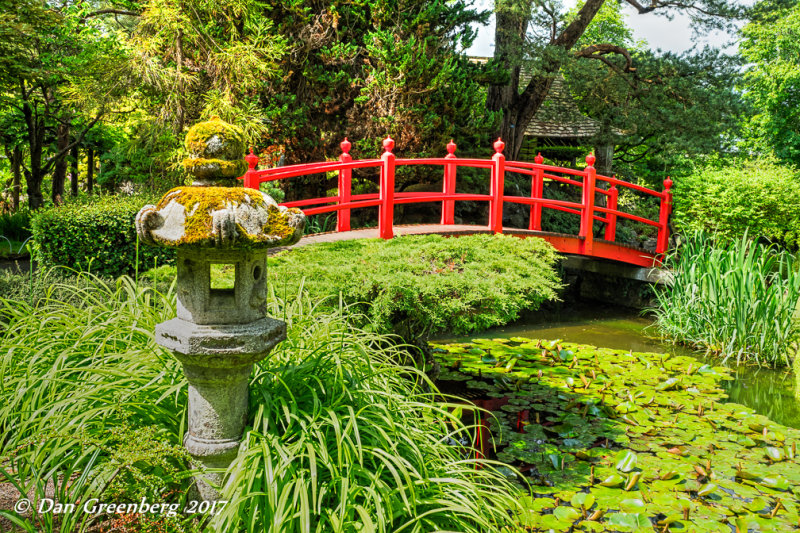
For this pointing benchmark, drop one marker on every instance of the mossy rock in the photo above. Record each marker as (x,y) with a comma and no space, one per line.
(215,140)
(219,217)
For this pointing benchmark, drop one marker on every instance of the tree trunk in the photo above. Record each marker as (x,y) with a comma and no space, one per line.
(605,159)
(89,170)
(16,167)
(73,171)
(60,167)
(519,107)
(33,177)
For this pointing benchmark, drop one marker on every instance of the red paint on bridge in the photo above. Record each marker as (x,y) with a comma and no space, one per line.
(589,210)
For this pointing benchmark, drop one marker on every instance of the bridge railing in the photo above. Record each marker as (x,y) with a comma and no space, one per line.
(588,209)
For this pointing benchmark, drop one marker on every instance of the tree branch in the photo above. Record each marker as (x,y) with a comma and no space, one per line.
(597,51)
(79,139)
(110,12)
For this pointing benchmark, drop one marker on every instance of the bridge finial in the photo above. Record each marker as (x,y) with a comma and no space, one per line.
(590,159)
(345,145)
(252,159)
(538,159)
(667,184)
(451,147)
(388,144)
(499,145)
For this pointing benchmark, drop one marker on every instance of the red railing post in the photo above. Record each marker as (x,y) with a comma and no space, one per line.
(537,190)
(611,218)
(386,209)
(496,188)
(449,186)
(345,188)
(663,218)
(587,213)
(250,178)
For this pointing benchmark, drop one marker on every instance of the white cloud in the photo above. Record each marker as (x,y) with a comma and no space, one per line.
(669,35)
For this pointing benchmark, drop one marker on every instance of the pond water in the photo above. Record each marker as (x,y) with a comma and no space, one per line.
(768,392)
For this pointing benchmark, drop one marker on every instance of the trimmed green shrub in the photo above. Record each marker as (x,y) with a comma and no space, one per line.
(422,284)
(97,234)
(761,198)
(735,299)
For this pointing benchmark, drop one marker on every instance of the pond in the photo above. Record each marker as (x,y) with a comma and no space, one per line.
(768,392)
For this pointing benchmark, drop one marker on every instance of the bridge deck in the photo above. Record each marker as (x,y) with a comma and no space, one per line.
(568,244)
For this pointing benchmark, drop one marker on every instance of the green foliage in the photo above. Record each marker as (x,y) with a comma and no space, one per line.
(735,299)
(339,436)
(16,226)
(628,441)
(95,233)
(760,198)
(771,45)
(418,285)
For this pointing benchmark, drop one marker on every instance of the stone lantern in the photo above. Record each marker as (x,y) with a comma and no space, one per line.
(219,331)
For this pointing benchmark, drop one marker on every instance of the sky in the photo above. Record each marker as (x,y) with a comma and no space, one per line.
(673,36)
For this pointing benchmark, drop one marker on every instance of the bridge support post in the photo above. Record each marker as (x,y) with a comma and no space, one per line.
(663,218)
(386,209)
(537,191)
(250,179)
(449,186)
(345,187)
(611,218)
(587,215)
(496,188)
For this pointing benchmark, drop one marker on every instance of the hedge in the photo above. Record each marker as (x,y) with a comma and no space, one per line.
(96,234)
(761,198)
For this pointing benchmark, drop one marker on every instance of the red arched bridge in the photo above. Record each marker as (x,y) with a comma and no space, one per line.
(598,200)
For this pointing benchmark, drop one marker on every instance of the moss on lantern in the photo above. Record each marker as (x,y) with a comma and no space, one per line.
(201,202)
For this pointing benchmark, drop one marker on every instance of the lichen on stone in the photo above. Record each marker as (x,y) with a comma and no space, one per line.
(215,139)
(223,216)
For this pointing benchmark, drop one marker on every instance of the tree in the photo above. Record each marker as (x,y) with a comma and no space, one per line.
(57,67)
(771,43)
(665,108)
(537,34)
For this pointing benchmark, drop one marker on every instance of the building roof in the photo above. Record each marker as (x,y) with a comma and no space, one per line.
(560,117)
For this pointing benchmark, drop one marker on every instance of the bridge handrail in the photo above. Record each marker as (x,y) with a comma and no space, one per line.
(587,209)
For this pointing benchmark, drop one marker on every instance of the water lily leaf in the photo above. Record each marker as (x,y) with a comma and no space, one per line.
(776,482)
(669,384)
(614,480)
(488,359)
(707,490)
(774,454)
(631,520)
(744,440)
(757,505)
(567,513)
(582,499)
(632,505)
(625,461)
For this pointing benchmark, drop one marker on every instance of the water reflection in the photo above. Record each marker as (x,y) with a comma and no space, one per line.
(769,392)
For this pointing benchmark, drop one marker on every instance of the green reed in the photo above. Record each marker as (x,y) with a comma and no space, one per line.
(339,439)
(736,299)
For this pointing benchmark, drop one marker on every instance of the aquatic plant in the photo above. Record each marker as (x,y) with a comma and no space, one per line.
(611,440)
(736,299)
(340,439)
